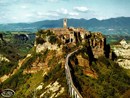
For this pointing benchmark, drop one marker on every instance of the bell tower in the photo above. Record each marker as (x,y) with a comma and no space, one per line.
(65,23)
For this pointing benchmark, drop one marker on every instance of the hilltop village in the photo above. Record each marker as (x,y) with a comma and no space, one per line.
(70,37)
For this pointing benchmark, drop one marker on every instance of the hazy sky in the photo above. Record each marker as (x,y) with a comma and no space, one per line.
(12,11)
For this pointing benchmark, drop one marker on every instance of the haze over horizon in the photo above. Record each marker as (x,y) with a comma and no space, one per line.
(14,11)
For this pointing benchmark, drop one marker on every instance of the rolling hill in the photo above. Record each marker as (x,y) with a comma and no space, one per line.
(120,25)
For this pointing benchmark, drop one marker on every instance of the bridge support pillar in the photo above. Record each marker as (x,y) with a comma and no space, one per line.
(75,95)
(72,92)
(70,89)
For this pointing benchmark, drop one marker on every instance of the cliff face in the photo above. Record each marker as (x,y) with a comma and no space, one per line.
(97,42)
(83,60)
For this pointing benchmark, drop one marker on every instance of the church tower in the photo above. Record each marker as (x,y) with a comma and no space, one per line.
(65,23)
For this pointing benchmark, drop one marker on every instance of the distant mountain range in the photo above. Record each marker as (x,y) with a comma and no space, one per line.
(120,25)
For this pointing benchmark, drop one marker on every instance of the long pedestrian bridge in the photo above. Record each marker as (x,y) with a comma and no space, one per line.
(74,93)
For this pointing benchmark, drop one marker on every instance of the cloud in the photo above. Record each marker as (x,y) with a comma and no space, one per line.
(33,10)
(52,0)
(23,6)
(60,13)
(51,14)
(73,14)
(48,14)
(63,11)
(55,0)
(81,9)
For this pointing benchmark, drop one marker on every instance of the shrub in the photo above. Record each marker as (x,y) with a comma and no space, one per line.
(40,40)
(52,39)
(49,33)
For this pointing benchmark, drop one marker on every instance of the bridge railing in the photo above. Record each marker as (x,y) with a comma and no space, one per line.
(72,89)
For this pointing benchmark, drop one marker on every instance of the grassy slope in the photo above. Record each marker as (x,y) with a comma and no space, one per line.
(112,80)
(25,84)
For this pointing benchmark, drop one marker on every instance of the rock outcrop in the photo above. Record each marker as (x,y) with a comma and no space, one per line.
(122,51)
(2,58)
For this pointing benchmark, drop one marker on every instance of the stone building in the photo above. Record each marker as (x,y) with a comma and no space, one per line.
(65,23)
